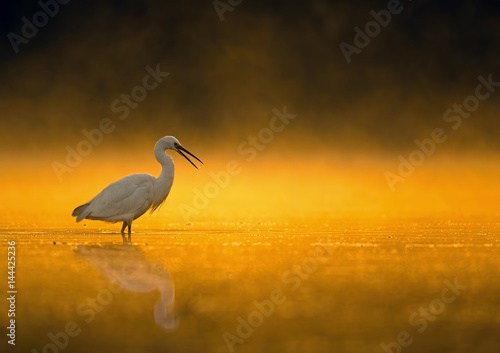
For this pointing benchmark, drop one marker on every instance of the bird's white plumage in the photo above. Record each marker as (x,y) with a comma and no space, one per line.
(125,199)
(130,197)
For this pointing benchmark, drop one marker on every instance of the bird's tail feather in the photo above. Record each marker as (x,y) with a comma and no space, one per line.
(81,211)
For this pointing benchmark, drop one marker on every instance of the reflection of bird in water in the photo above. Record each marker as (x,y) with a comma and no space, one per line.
(129,198)
(129,267)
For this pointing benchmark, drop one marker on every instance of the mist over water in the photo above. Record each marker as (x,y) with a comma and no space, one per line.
(102,82)
(225,77)
(409,116)
(385,159)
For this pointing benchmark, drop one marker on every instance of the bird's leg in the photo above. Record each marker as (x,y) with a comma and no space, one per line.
(125,224)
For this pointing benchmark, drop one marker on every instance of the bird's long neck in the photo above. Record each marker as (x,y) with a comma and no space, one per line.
(165,179)
(167,164)
(167,169)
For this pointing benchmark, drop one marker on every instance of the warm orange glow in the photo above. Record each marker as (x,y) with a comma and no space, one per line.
(347,201)
(289,190)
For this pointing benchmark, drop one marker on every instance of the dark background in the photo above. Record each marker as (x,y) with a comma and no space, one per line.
(227,76)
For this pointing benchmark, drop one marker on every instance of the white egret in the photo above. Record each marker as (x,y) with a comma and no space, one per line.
(130,197)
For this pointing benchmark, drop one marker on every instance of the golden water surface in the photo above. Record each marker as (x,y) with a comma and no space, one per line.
(303,254)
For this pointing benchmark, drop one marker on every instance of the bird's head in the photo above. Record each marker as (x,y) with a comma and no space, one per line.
(171,143)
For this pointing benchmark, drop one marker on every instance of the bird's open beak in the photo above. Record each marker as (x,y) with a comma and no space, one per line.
(180,149)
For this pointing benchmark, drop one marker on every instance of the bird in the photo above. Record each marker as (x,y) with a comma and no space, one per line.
(130,197)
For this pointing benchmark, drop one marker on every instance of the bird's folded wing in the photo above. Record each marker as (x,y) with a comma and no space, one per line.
(125,196)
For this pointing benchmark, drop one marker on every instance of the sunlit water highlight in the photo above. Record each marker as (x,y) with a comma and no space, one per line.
(346,265)
(347,287)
